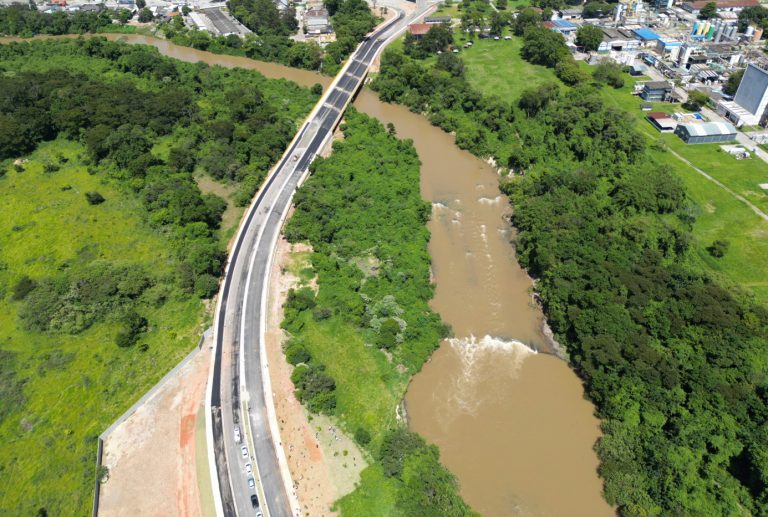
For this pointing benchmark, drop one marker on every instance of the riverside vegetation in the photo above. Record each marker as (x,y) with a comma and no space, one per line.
(108,245)
(357,341)
(673,361)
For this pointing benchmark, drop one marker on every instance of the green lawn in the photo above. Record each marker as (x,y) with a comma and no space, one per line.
(75,385)
(496,68)
(376,496)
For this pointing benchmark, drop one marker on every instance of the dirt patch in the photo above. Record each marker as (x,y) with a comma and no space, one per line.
(151,456)
(325,464)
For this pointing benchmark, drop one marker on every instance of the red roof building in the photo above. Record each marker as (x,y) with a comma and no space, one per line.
(419,29)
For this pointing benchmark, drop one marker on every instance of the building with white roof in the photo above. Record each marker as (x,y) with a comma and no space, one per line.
(751,101)
(706,132)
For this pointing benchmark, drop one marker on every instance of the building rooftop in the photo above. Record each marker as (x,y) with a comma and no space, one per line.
(723,4)
(564,24)
(709,128)
(646,34)
(419,29)
(659,115)
(657,85)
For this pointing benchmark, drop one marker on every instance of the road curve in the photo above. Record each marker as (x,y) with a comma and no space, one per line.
(239,392)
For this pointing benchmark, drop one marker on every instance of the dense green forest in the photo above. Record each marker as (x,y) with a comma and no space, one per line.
(357,341)
(110,243)
(674,362)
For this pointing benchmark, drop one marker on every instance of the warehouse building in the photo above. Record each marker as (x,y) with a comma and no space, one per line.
(706,132)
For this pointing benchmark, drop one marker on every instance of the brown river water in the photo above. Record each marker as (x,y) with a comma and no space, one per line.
(511,423)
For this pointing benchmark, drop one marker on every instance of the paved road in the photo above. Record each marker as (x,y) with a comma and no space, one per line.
(237,387)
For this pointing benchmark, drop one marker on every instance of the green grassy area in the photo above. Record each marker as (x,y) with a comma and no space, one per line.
(376,496)
(75,385)
(494,67)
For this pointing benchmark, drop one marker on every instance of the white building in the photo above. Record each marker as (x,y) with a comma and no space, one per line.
(749,105)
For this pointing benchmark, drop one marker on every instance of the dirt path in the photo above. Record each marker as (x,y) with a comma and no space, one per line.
(151,456)
(325,464)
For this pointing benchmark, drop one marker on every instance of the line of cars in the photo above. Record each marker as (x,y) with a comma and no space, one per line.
(248,473)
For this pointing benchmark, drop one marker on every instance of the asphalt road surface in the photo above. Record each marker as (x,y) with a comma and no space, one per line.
(237,396)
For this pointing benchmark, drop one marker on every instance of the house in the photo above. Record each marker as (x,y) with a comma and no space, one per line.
(662,121)
(570,14)
(706,132)
(316,21)
(419,29)
(564,27)
(734,6)
(646,107)
(656,91)
(750,104)
(637,69)
(92,8)
(435,20)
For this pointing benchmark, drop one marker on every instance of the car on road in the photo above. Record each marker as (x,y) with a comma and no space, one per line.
(248,468)
(244,450)
(251,482)
(254,500)
(237,434)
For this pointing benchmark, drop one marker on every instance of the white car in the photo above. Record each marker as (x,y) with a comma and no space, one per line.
(244,450)
(248,468)
(251,482)
(237,434)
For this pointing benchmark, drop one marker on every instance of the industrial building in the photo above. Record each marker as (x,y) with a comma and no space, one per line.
(706,132)
(656,91)
(750,105)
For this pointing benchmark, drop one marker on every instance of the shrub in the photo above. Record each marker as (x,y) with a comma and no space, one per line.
(206,285)
(317,89)
(362,436)
(297,353)
(719,248)
(23,287)
(94,198)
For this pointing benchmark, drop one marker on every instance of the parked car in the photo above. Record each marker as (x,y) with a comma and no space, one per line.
(248,468)
(237,434)
(251,482)
(244,450)
(255,500)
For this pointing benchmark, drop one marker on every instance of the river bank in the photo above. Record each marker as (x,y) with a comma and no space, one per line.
(480,291)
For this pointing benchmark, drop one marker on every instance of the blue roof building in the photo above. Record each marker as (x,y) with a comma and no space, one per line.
(645,34)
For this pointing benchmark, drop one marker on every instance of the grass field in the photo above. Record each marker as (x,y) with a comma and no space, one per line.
(75,386)
(495,67)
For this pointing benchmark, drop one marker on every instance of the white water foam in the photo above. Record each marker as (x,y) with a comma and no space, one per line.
(489,200)
(472,352)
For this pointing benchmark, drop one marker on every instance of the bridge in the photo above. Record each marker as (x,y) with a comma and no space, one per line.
(239,393)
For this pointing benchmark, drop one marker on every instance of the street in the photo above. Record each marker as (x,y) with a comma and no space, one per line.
(239,390)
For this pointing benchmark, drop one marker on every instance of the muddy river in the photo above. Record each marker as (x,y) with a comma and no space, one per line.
(509,418)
